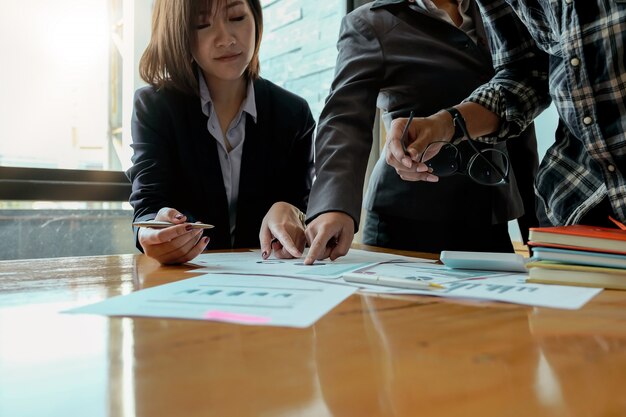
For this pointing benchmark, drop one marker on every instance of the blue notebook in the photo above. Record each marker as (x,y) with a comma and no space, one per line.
(579,257)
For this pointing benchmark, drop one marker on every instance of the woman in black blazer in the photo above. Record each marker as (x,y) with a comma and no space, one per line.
(213,142)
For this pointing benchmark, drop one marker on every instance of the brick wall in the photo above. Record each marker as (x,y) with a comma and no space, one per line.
(298,51)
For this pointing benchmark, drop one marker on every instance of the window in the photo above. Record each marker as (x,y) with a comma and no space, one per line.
(55,85)
(67,88)
(58,130)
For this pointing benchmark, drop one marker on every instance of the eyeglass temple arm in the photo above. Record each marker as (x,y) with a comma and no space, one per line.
(461,123)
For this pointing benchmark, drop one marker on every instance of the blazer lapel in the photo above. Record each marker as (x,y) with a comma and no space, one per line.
(402,11)
(382,3)
(255,146)
(206,163)
(254,166)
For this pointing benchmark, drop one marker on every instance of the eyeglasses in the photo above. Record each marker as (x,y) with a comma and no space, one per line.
(486,166)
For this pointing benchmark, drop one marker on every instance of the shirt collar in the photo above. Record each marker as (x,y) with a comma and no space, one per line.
(429,6)
(248,105)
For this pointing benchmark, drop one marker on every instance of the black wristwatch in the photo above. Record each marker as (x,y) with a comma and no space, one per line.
(457,120)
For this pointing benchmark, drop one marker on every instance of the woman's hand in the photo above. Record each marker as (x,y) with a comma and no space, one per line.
(421,132)
(282,231)
(172,245)
(438,127)
(330,236)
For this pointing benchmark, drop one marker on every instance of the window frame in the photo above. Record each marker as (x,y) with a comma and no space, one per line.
(45,184)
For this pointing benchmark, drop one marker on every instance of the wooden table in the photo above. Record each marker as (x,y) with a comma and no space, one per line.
(371,356)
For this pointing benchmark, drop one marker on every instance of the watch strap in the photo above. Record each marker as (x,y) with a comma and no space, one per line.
(457,120)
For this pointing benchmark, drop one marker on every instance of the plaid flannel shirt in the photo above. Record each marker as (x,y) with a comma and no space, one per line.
(571,52)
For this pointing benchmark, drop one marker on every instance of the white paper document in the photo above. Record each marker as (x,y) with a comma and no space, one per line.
(252,263)
(484,285)
(253,300)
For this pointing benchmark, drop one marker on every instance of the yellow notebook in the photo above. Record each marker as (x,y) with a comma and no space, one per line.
(545,272)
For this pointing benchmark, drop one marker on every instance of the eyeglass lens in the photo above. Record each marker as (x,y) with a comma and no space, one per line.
(487,167)
(489,170)
(442,158)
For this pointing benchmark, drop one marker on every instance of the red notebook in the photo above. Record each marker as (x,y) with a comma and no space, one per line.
(577,248)
(580,237)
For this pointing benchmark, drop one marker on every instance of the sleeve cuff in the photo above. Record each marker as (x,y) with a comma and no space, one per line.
(490,97)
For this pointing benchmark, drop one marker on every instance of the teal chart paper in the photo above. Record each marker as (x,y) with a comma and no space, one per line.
(252,263)
(252,300)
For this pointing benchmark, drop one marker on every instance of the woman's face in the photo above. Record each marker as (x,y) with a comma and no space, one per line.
(224,41)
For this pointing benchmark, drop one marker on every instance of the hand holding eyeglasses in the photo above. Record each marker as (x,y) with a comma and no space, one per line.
(441,158)
(406,141)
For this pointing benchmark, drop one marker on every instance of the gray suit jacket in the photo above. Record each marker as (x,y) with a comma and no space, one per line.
(400,60)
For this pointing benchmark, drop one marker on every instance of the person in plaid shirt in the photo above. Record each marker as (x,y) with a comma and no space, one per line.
(570,52)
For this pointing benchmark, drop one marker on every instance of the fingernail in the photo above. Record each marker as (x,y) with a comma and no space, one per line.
(178,217)
(432,178)
(206,240)
(264,255)
(189,228)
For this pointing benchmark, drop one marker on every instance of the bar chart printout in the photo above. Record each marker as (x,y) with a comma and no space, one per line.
(480,285)
(253,300)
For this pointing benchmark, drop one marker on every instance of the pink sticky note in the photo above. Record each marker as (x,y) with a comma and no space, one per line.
(235,317)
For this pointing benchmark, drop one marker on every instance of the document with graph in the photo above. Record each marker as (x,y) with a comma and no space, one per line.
(252,263)
(440,281)
(253,300)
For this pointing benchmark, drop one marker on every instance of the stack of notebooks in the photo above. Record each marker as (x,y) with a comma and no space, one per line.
(578,255)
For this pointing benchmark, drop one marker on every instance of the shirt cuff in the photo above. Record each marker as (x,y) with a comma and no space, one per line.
(492,98)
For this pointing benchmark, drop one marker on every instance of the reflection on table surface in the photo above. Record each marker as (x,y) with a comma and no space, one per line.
(370,356)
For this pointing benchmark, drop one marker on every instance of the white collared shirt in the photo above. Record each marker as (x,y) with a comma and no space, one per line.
(467,26)
(230,162)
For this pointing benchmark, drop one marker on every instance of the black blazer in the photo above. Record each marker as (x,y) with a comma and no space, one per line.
(175,161)
(398,60)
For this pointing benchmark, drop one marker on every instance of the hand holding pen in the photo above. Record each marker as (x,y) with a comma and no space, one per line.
(406,138)
(175,243)
(157,224)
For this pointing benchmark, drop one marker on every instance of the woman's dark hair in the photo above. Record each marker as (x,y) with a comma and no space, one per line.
(167,62)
